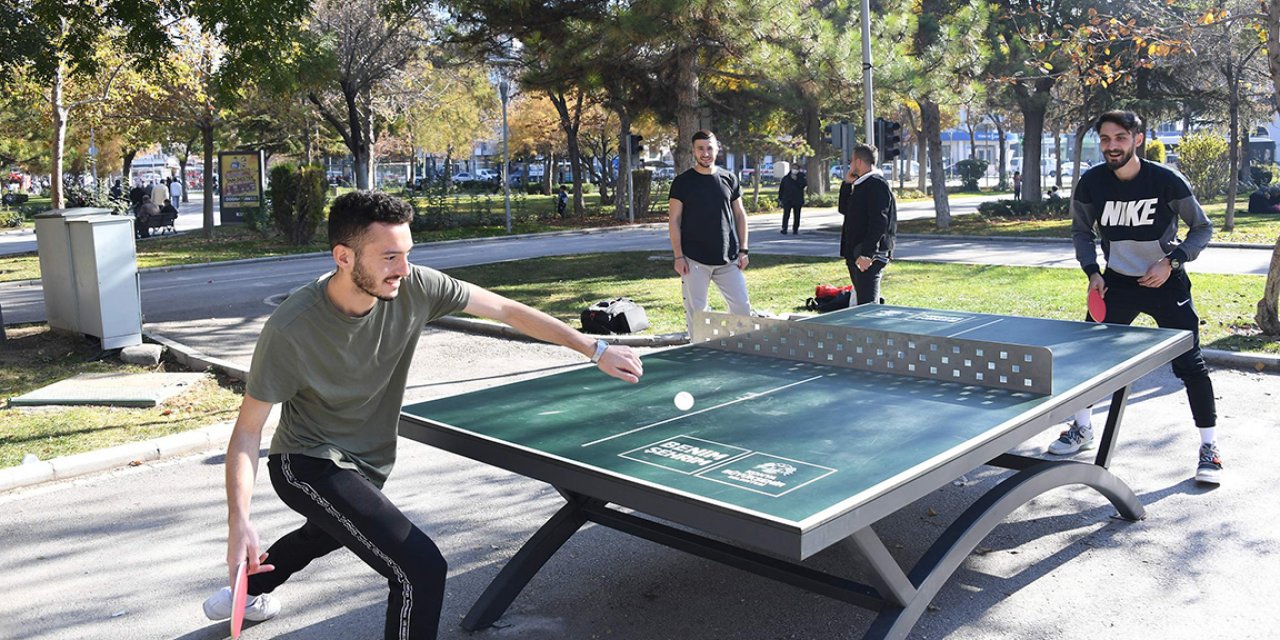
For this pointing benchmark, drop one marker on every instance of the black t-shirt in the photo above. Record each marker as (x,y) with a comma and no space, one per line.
(707,232)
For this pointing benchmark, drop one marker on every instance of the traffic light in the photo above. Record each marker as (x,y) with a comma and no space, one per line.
(838,135)
(888,139)
(834,135)
(633,145)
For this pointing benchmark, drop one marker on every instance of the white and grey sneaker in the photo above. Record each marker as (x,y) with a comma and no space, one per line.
(1075,438)
(1209,470)
(263,607)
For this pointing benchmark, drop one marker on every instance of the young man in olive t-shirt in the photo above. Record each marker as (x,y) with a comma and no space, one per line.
(336,353)
(708,228)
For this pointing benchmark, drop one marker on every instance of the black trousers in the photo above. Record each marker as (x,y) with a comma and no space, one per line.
(866,284)
(345,509)
(1170,305)
(786,216)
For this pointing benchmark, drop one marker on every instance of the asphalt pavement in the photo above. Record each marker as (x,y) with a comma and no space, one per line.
(134,551)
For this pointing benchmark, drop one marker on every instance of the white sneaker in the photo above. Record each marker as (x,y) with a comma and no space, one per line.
(263,607)
(1074,439)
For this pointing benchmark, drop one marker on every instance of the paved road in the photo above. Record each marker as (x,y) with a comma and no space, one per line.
(135,551)
(132,553)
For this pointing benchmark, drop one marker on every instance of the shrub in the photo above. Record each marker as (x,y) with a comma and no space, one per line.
(971,170)
(1013,209)
(10,218)
(298,198)
(1202,158)
(1155,151)
(1262,176)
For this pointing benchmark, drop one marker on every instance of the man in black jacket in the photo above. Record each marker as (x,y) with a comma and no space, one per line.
(870,223)
(791,197)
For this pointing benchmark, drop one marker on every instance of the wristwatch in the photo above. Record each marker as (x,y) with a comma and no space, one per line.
(601,345)
(1174,263)
(743,252)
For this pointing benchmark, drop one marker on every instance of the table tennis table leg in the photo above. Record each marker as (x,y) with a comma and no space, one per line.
(526,563)
(1114,415)
(960,539)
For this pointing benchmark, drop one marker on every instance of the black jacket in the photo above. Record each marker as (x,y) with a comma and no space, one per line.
(791,190)
(870,219)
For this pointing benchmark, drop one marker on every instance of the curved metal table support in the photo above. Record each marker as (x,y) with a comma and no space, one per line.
(942,559)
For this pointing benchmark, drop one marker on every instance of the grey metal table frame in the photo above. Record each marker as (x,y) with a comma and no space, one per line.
(900,597)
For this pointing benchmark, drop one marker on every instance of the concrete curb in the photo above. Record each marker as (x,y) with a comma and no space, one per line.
(129,454)
(929,236)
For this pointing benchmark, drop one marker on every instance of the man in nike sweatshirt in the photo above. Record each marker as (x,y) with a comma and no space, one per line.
(1135,206)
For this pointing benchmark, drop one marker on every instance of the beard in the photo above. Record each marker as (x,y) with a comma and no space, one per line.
(1115,163)
(368,284)
(706,164)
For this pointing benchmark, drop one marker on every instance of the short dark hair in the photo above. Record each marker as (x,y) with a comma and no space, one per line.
(703,134)
(353,212)
(1127,120)
(866,152)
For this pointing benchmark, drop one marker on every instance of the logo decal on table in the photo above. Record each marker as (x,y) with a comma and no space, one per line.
(726,464)
(763,473)
(685,454)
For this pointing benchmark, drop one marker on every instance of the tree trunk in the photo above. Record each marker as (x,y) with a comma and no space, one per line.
(126,160)
(973,135)
(549,164)
(931,123)
(447,177)
(686,106)
(1057,154)
(922,159)
(206,136)
(570,123)
(1233,151)
(1001,152)
(1077,151)
(1033,102)
(623,192)
(813,136)
(57,148)
(755,196)
(1268,317)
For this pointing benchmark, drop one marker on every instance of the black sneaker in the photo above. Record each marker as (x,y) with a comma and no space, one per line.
(1209,471)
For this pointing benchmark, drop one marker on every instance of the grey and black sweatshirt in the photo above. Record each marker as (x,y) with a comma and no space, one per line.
(1137,219)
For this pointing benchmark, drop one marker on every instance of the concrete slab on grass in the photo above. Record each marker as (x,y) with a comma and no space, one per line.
(127,390)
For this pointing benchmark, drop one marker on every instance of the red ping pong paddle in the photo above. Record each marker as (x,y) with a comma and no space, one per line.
(1097,306)
(239,594)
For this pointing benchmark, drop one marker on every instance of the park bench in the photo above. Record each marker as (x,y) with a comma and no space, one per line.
(162,222)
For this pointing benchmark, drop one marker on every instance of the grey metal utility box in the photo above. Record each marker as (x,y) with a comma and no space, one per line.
(57,267)
(106,279)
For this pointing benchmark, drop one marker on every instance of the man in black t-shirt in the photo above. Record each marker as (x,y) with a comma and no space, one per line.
(708,229)
(1135,206)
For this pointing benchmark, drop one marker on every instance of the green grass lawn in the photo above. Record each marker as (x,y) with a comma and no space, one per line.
(565,285)
(1250,228)
(34,357)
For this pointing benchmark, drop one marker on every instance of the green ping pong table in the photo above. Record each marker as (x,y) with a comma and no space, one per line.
(802,435)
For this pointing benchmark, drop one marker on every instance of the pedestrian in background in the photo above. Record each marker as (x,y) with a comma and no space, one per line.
(791,197)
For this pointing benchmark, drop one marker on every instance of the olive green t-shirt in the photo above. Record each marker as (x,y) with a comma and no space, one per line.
(342,379)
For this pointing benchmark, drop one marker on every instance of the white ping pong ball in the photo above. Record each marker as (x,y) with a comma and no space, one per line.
(684,401)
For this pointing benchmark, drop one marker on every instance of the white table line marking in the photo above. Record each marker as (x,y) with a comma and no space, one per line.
(694,413)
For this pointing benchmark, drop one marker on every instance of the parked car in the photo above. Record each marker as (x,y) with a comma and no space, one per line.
(464,177)
(487,175)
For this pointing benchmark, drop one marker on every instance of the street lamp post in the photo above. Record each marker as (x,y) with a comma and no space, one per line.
(504,90)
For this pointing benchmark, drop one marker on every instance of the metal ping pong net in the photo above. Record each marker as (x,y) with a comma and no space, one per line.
(999,365)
